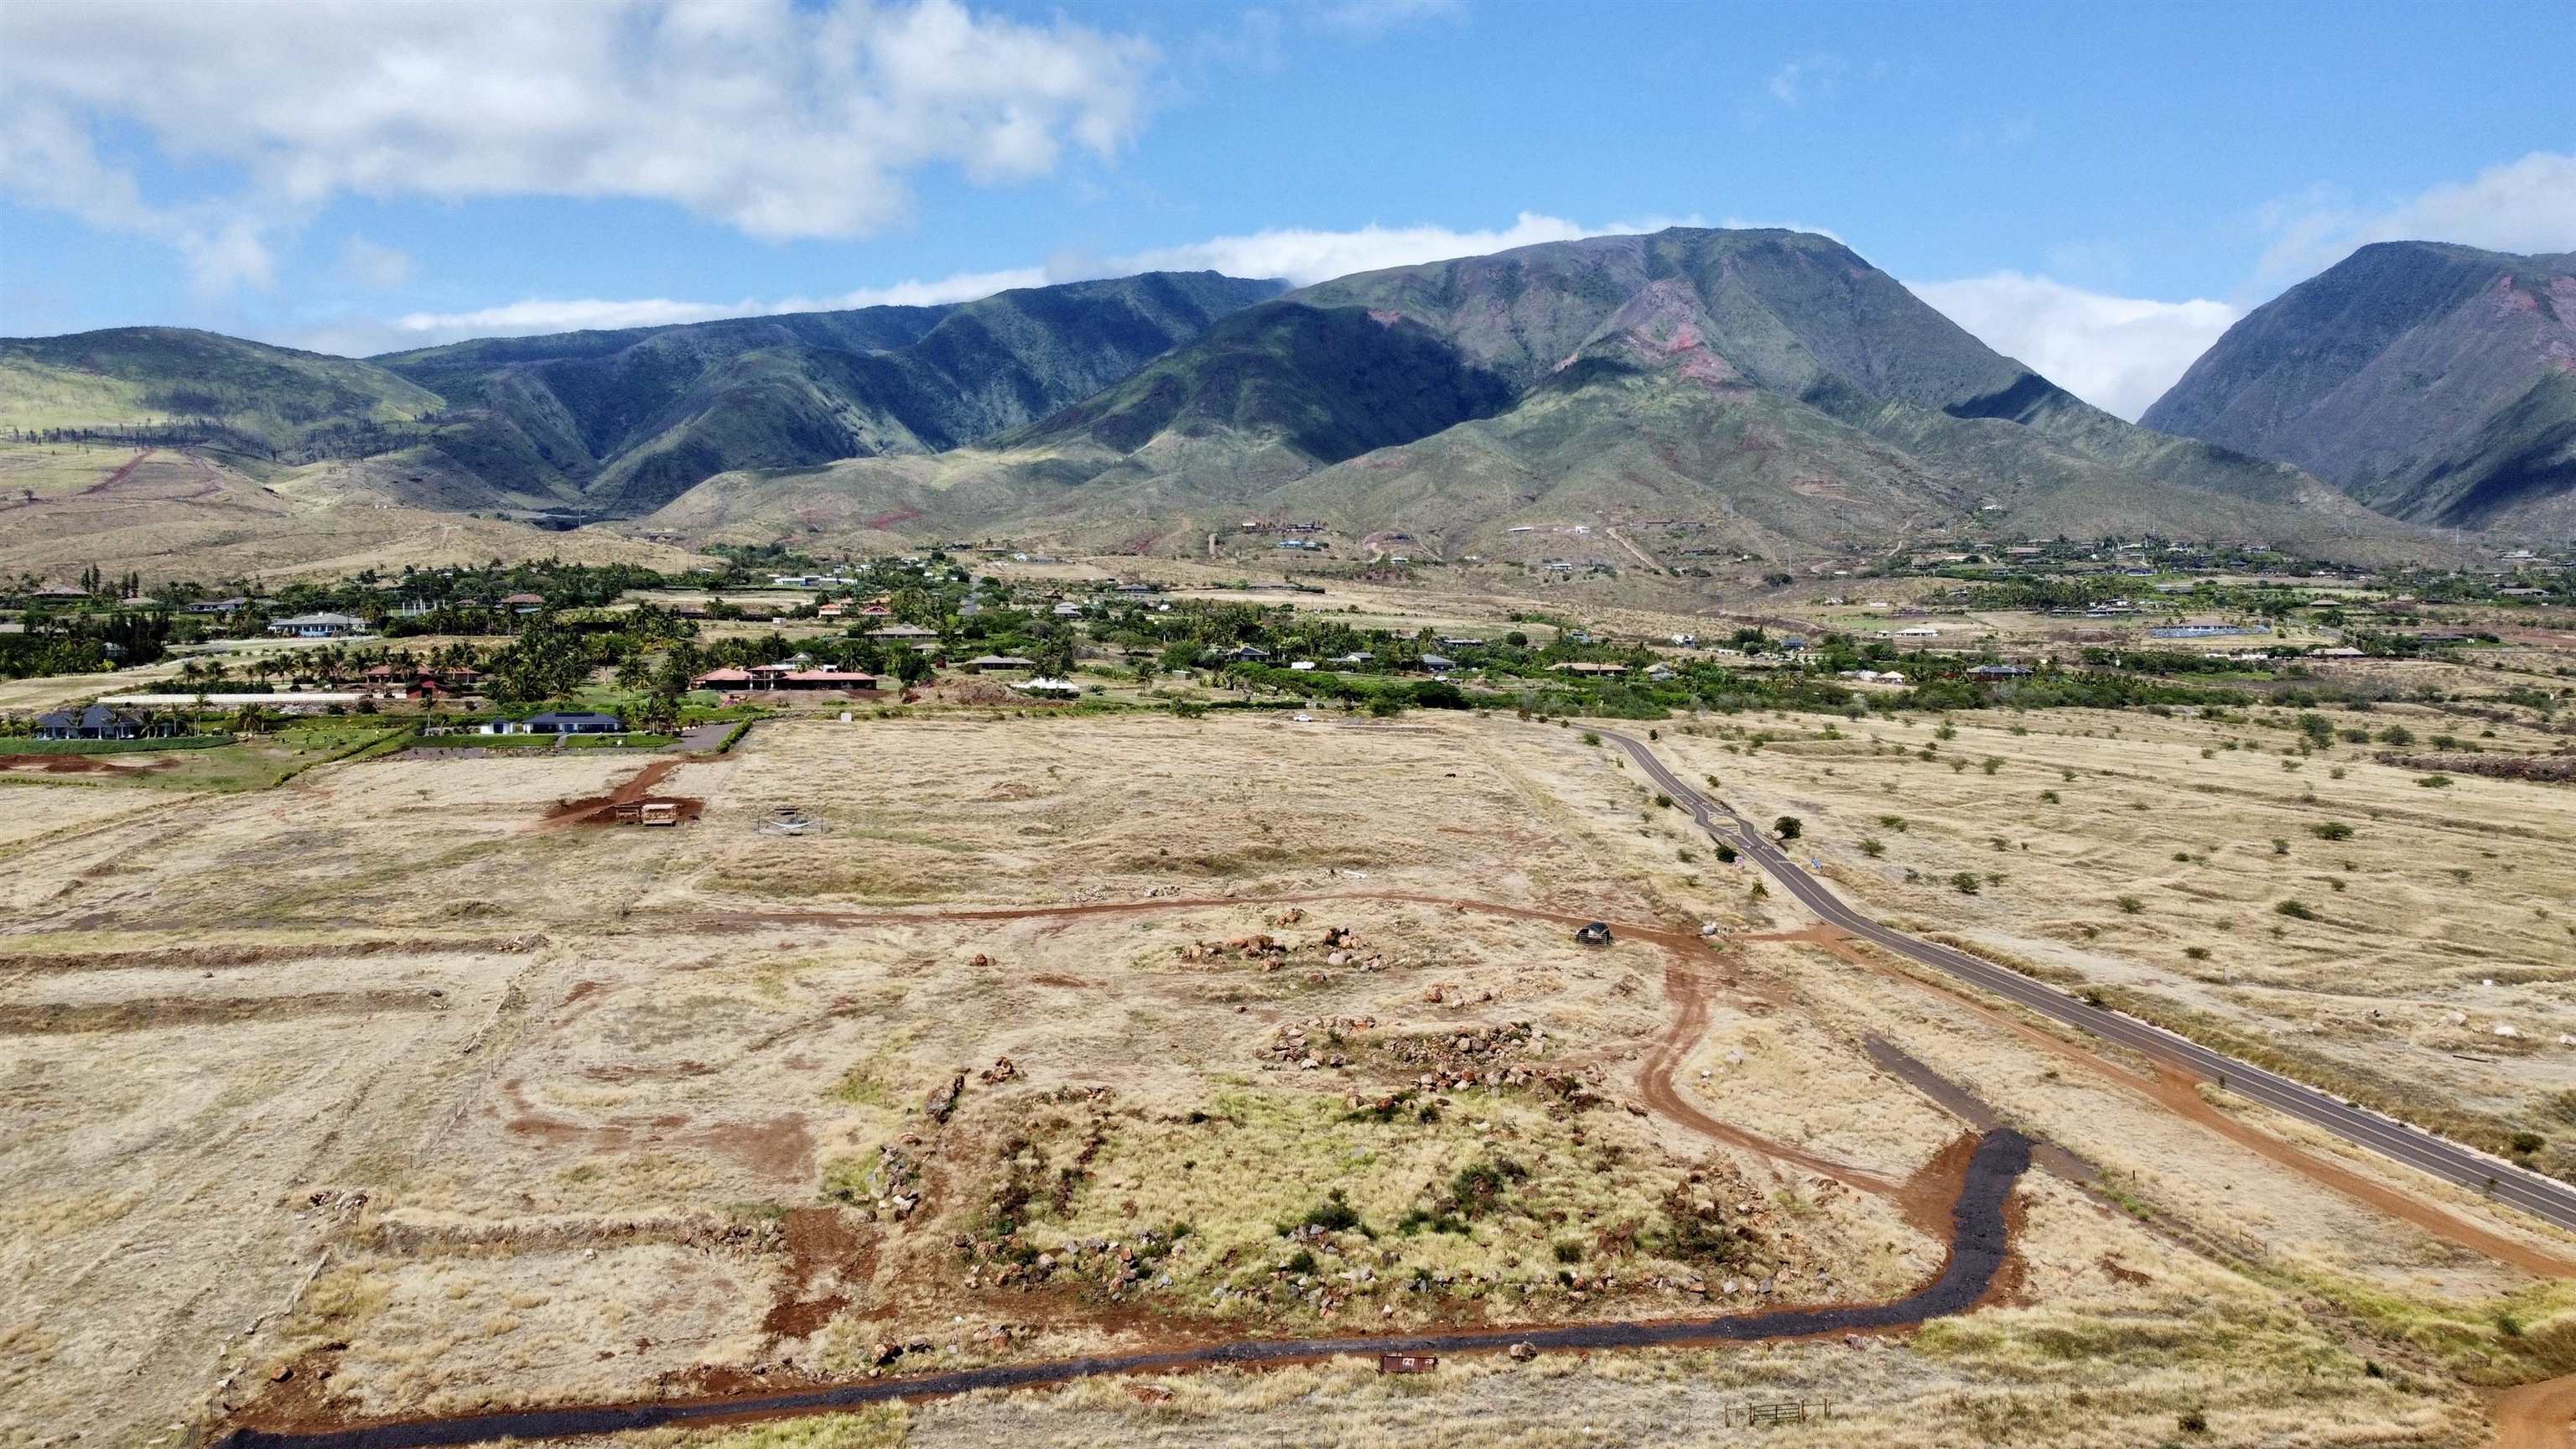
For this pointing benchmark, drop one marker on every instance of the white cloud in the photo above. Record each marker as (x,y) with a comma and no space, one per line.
(581,314)
(1814,78)
(47,159)
(778,119)
(1376,17)
(1304,255)
(2527,205)
(2117,353)
(383,268)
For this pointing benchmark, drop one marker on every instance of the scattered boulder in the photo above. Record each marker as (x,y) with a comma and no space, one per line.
(943,1102)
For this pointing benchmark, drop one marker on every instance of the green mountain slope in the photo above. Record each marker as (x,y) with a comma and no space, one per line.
(263,397)
(625,421)
(1268,395)
(2429,380)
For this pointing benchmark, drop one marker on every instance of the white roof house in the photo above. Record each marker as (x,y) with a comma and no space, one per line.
(317,626)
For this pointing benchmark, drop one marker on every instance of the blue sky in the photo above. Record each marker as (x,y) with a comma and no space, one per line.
(2096,190)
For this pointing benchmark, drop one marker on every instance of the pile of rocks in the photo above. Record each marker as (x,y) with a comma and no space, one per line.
(898,1181)
(1316,1041)
(1478,1056)
(1450,993)
(1342,947)
(1263,948)
(942,1102)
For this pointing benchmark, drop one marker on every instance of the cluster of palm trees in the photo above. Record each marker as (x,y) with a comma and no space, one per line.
(320,664)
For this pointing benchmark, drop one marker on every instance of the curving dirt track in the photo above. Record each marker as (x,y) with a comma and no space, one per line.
(1979,1250)
(1655,1083)
(2537,1416)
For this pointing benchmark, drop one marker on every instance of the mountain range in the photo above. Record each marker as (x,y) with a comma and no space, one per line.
(2435,383)
(1766,392)
(1691,392)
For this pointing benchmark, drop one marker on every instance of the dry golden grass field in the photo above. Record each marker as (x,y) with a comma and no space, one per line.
(166,513)
(402,1089)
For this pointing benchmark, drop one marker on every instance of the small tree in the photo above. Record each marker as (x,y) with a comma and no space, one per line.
(1788,828)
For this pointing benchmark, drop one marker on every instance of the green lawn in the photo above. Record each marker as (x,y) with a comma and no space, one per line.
(250,762)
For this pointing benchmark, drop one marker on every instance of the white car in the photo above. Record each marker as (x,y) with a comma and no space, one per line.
(1303,718)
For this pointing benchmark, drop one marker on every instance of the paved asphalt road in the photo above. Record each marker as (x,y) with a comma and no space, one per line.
(2542,1197)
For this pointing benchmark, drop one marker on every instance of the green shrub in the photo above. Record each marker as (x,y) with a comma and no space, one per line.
(1479,1187)
(1334,1214)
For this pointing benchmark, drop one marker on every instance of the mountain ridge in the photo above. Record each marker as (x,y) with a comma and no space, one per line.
(1773,380)
(2427,379)
(617,422)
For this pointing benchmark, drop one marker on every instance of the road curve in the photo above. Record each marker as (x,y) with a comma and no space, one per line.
(1980,1243)
(2542,1197)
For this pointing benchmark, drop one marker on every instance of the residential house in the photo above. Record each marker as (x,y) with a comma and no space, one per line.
(317,626)
(94,722)
(219,606)
(524,603)
(1591,670)
(1438,663)
(573,722)
(839,679)
(987,663)
(903,633)
(2204,629)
